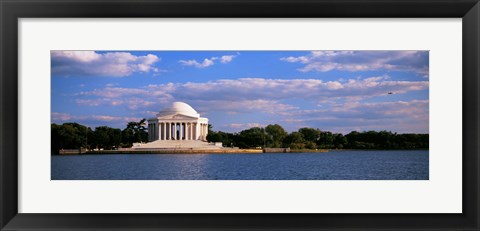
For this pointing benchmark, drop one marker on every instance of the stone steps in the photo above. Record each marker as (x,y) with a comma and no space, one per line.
(177,144)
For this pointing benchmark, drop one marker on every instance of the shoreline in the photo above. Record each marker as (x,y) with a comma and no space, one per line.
(176,151)
(219,151)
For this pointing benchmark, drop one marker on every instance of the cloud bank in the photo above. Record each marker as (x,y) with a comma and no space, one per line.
(323,61)
(337,104)
(207,62)
(92,63)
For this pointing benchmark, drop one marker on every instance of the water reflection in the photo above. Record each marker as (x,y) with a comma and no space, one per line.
(342,165)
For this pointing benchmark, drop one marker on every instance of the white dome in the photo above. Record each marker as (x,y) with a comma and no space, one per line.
(179,108)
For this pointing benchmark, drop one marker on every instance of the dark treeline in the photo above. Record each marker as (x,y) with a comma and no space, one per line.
(76,136)
(274,136)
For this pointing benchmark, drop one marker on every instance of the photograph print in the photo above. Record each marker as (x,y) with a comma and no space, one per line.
(240,115)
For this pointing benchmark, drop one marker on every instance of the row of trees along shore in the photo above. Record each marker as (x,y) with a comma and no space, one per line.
(76,136)
(274,136)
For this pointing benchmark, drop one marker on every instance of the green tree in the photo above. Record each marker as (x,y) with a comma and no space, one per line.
(56,139)
(135,132)
(310,134)
(68,136)
(210,128)
(107,137)
(353,136)
(214,136)
(253,137)
(326,140)
(75,136)
(340,141)
(275,135)
(295,140)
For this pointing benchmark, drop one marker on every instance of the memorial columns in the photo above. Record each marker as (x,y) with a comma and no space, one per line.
(191,131)
(204,132)
(164,133)
(181,131)
(175,131)
(154,135)
(194,130)
(186,130)
(199,131)
(169,131)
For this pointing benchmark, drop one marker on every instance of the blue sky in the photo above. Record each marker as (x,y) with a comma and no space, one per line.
(338,91)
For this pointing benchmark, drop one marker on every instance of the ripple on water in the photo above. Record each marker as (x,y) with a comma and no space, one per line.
(334,165)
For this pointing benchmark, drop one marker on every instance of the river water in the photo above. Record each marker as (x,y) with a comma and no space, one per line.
(333,165)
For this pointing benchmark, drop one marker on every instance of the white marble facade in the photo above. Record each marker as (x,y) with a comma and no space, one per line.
(178,122)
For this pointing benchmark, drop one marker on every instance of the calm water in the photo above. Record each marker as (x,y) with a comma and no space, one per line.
(334,165)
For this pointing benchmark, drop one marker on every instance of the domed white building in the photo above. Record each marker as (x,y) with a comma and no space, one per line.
(178,122)
(178,127)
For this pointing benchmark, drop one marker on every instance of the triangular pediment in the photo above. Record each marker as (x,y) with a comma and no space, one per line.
(177,116)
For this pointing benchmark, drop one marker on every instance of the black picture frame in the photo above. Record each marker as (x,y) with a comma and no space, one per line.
(12,10)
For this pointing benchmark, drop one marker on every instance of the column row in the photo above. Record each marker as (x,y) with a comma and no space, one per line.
(177,131)
(203,131)
(152,134)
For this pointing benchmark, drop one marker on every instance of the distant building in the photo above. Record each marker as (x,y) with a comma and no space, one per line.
(177,127)
(178,122)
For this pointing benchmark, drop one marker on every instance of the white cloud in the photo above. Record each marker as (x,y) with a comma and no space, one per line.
(90,102)
(255,95)
(323,61)
(339,104)
(301,59)
(131,103)
(243,106)
(76,56)
(399,116)
(110,64)
(227,58)
(278,89)
(207,62)
(238,126)
(115,92)
(57,116)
